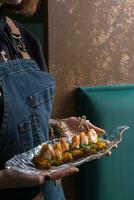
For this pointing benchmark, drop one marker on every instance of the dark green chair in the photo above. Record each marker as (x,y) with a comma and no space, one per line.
(110,178)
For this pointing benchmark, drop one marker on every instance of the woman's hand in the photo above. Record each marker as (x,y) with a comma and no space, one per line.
(64,173)
(16,179)
(72,125)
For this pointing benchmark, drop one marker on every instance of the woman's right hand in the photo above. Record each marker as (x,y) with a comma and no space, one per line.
(16,179)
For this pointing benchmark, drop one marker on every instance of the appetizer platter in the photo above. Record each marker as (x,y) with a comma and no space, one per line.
(63,152)
(70,150)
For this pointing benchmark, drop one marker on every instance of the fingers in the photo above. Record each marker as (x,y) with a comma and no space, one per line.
(64,173)
(68,133)
(73,124)
(109,153)
(17,179)
(34,180)
(89,125)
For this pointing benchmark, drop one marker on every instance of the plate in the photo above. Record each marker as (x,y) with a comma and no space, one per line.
(24,162)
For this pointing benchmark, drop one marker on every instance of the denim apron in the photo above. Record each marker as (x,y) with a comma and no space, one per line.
(28,95)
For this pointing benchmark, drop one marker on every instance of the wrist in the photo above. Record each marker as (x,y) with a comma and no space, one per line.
(3,181)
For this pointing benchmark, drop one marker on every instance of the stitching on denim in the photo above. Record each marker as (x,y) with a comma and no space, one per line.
(5,114)
(17,72)
(23,134)
(43,100)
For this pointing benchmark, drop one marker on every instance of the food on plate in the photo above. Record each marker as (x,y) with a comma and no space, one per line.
(77,153)
(92,136)
(83,138)
(68,157)
(41,163)
(64,144)
(65,151)
(75,142)
(57,155)
(57,146)
(47,151)
(101,144)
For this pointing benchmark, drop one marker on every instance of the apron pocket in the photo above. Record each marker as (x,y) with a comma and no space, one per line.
(41,102)
(41,97)
(30,133)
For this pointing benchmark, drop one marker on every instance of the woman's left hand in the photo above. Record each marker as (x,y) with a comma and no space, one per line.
(64,173)
(72,125)
(10,178)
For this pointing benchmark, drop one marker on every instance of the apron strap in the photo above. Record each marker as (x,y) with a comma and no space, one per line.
(17,36)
